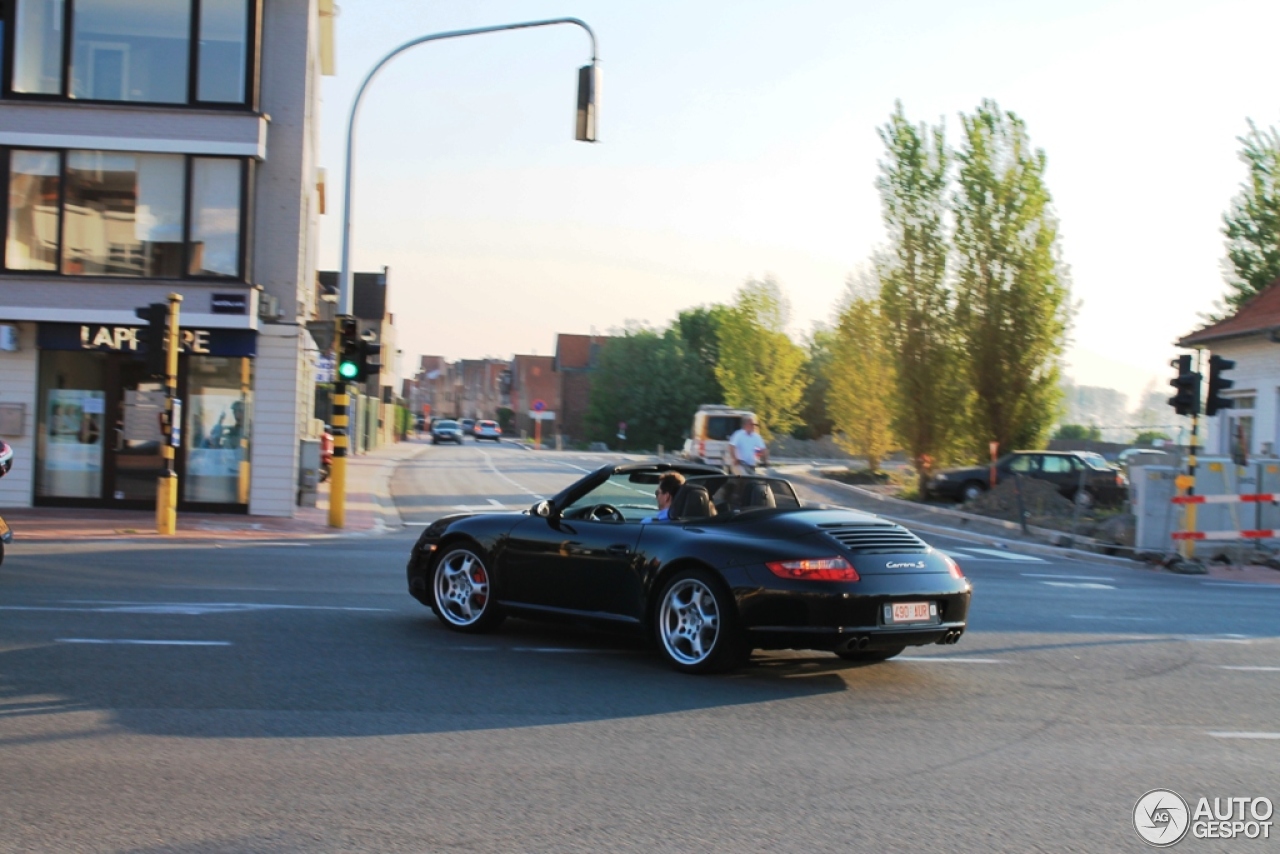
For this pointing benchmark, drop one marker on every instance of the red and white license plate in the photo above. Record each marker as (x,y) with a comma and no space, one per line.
(910,612)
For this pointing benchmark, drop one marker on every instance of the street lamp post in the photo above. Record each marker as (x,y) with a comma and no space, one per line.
(585,131)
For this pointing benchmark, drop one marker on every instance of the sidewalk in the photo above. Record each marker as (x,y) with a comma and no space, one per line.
(369,510)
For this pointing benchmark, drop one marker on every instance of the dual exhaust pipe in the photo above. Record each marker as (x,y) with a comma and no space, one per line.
(863,642)
(951,636)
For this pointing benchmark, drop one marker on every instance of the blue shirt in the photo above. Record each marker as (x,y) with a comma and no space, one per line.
(664,515)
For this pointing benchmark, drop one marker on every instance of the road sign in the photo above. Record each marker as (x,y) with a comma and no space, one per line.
(539,405)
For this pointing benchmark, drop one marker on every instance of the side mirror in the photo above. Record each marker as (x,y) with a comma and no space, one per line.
(544,509)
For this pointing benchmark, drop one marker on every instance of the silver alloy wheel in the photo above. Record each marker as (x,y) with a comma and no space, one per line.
(461,587)
(689,621)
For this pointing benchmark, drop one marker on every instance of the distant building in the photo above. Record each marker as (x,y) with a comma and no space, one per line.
(534,379)
(577,358)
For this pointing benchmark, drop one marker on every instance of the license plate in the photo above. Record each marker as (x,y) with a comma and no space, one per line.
(910,612)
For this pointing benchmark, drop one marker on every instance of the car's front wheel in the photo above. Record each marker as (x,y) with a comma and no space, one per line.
(696,624)
(972,490)
(870,656)
(462,590)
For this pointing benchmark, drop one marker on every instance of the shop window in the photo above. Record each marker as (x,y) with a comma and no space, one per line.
(134,50)
(218,412)
(72,422)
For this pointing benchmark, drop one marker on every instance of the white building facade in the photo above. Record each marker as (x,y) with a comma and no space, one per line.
(150,147)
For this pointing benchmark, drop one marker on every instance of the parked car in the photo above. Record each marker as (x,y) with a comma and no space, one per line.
(741,564)
(468,426)
(488,430)
(1103,483)
(708,440)
(446,430)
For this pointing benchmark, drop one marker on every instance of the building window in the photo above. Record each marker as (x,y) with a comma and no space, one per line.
(224,55)
(107,213)
(32,235)
(196,52)
(37,47)
(123,214)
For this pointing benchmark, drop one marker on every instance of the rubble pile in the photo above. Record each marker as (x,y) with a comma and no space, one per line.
(1045,506)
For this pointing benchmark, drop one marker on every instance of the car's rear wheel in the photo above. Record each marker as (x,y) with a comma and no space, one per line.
(870,656)
(1084,498)
(462,590)
(972,489)
(696,624)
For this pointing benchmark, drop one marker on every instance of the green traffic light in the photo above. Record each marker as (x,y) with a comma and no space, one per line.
(347,370)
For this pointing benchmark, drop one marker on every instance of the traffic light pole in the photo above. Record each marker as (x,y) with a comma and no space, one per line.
(167,483)
(338,468)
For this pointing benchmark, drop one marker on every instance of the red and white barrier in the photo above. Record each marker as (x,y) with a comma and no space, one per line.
(1257,498)
(1259,534)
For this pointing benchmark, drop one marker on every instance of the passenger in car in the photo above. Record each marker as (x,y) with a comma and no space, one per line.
(668,485)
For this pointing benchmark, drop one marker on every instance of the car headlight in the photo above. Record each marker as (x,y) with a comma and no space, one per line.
(939,476)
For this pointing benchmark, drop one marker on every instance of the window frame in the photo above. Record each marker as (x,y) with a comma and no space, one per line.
(252,70)
(243,266)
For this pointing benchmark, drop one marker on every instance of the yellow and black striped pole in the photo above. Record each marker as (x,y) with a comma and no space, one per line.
(338,472)
(167,484)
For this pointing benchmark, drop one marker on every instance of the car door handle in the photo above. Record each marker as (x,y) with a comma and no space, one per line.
(619,550)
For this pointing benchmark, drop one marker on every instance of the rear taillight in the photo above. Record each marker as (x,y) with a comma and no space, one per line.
(953,567)
(814,569)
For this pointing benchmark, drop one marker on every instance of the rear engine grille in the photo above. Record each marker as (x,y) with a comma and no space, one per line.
(870,539)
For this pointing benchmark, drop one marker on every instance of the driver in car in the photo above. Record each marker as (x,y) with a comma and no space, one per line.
(668,485)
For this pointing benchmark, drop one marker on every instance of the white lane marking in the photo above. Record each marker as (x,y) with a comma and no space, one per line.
(520,486)
(481,508)
(415,524)
(1106,617)
(179,608)
(1227,639)
(1252,586)
(947,659)
(1003,555)
(1079,585)
(1268,736)
(1067,577)
(496,503)
(1250,667)
(144,642)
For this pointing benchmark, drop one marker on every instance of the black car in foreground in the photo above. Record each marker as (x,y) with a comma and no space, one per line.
(742,565)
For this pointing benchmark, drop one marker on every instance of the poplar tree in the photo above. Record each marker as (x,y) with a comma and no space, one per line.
(758,366)
(1012,296)
(861,374)
(928,410)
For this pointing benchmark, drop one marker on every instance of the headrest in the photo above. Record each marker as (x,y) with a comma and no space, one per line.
(692,502)
(760,495)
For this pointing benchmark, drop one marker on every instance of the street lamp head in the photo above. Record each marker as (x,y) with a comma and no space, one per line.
(588,102)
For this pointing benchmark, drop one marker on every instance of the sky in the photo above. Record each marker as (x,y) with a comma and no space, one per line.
(738,139)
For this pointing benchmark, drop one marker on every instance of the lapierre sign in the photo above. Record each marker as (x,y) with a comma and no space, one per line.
(124,339)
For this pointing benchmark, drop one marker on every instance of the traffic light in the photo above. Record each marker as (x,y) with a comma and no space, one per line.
(1217,385)
(1187,399)
(155,337)
(370,363)
(348,350)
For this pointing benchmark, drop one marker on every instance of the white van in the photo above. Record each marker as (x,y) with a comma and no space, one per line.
(708,440)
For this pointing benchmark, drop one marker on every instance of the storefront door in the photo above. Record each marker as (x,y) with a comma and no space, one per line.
(133,453)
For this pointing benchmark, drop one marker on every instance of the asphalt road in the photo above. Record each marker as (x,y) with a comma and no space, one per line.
(292,697)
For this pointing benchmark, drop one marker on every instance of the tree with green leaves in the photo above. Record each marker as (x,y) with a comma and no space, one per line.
(815,421)
(699,328)
(758,366)
(1079,433)
(650,381)
(860,399)
(928,411)
(1252,225)
(1012,298)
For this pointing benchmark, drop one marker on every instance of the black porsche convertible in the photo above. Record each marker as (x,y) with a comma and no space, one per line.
(741,565)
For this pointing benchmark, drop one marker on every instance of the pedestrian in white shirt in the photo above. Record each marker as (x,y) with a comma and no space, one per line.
(747,448)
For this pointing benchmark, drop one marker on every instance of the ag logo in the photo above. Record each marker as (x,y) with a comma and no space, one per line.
(1161,818)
